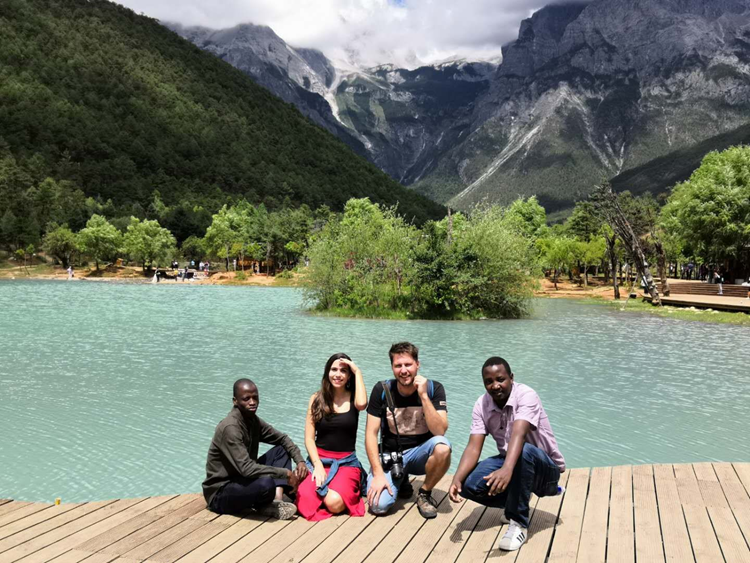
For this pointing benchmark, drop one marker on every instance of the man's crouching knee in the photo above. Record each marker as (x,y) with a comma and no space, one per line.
(382,507)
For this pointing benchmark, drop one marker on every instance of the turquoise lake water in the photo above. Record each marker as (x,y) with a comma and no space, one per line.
(113,390)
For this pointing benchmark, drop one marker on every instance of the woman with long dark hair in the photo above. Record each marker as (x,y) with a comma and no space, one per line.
(334,484)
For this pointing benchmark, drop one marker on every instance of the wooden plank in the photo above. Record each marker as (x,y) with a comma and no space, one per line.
(378,528)
(687,485)
(674,530)
(400,536)
(58,541)
(702,537)
(270,549)
(648,540)
(422,544)
(621,536)
(733,544)
(153,529)
(34,519)
(43,528)
(493,552)
(140,516)
(346,534)
(22,512)
(738,497)
(197,538)
(731,541)
(568,530)
(251,541)
(455,537)
(223,540)
(342,537)
(542,526)
(299,548)
(81,537)
(484,536)
(743,473)
(5,501)
(179,528)
(74,556)
(593,544)
(11,506)
(709,486)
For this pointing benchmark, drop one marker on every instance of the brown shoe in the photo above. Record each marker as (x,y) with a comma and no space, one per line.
(426,504)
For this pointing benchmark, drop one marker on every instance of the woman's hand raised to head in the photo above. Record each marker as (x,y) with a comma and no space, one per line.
(352,366)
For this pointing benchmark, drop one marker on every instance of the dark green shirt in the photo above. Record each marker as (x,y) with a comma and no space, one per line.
(234,452)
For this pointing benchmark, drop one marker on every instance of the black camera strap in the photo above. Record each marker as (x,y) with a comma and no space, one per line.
(391,406)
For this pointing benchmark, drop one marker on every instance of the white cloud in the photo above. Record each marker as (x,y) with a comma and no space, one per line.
(377,31)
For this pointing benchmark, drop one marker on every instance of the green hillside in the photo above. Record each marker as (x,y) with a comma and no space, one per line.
(660,174)
(119,106)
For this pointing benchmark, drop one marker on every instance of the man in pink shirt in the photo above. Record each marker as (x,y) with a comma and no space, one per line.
(529,460)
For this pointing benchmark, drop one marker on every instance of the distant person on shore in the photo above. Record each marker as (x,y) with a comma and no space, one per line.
(335,482)
(70,272)
(529,460)
(719,279)
(236,478)
(412,433)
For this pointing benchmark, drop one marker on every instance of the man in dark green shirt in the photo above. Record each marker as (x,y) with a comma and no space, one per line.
(236,478)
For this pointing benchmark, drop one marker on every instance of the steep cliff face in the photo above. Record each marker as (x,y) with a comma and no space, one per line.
(400,119)
(408,118)
(302,77)
(588,91)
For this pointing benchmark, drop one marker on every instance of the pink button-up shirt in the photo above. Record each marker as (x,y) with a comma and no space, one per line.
(523,404)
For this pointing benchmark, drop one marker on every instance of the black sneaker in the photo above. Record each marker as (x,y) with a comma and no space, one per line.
(405,490)
(426,504)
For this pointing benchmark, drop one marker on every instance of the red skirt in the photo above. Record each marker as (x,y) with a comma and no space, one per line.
(346,483)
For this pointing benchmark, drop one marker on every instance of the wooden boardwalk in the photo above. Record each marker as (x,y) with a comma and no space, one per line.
(661,513)
(717,302)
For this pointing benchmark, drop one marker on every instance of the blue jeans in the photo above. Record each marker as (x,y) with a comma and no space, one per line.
(415,462)
(534,473)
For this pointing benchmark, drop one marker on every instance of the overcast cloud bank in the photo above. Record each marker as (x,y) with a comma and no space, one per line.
(364,32)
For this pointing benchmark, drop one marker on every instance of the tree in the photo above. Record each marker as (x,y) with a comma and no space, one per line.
(99,239)
(592,252)
(557,253)
(60,242)
(710,212)
(608,205)
(584,222)
(148,243)
(8,229)
(528,217)
(193,248)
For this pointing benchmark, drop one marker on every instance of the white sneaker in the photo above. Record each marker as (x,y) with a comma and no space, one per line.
(514,537)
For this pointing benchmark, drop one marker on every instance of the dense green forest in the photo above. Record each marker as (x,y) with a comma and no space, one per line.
(659,175)
(100,108)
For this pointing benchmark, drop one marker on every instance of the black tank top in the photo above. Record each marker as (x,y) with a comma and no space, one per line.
(338,433)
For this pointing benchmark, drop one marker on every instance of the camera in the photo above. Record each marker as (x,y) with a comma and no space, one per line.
(393,462)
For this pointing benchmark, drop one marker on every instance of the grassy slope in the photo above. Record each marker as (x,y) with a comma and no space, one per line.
(117,103)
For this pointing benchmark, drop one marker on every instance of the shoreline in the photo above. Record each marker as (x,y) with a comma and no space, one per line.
(595,294)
